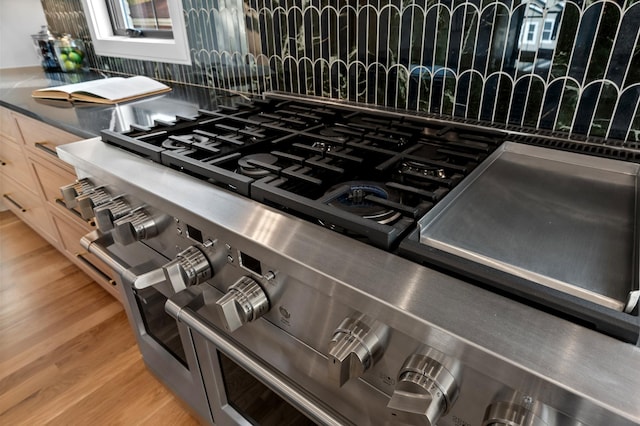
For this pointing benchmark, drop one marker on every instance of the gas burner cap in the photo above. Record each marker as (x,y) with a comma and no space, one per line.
(351,197)
(323,146)
(333,134)
(415,167)
(248,169)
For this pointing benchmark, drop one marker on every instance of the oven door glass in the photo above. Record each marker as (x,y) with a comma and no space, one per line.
(159,325)
(254,401)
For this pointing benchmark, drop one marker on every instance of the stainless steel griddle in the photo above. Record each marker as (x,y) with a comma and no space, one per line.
(564,220)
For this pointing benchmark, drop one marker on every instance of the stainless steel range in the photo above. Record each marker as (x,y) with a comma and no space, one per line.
(294,261)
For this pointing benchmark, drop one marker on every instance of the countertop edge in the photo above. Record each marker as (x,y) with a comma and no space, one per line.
(44,119)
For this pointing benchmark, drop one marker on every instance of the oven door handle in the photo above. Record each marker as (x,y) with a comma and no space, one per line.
(286,390)
(96,243)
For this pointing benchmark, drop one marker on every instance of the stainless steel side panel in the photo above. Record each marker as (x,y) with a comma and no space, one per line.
(589,376)
(564,220)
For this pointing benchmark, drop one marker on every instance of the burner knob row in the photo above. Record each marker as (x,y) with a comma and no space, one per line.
(356,345)
(245,301)
(111,213)
(85,196)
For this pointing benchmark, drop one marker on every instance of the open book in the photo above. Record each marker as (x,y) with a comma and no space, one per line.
(104,91)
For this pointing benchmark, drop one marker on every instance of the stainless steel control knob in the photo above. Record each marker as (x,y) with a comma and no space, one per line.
(425,391)
(356,345)
(245,301)
(509,413)
(136,226)
(90,200)
(108,213)
(190,267)
(70,192)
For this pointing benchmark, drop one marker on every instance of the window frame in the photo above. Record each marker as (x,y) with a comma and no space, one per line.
(106,43)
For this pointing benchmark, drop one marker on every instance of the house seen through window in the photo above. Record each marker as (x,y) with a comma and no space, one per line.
(140,18)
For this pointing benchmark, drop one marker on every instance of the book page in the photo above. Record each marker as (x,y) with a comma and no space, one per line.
(123,88)
(75,87)
(108,90)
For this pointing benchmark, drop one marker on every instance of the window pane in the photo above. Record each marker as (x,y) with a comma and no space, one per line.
(531,32)
(546,31)
(149,14)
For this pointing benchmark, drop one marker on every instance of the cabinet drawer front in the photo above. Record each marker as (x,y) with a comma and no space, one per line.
(8,128)
(45,138)
(14,165)
(51,178)
(70,235)
(29,208)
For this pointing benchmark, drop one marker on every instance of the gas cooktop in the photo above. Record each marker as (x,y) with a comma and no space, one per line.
(367,174)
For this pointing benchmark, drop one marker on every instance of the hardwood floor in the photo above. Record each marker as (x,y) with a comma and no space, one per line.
(67,354)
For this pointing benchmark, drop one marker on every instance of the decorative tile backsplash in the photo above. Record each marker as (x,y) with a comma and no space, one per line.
(570,66)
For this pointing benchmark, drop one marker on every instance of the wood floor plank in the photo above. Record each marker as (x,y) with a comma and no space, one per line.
(80,362)
(18,240)
(123,386)
(67,353)
(171,413)
(72,360)
(28,335)
(19,360)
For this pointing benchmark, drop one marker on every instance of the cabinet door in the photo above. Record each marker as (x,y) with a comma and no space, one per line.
(8,127)
(29,208)
(14,165)
(70,235)
(42,137)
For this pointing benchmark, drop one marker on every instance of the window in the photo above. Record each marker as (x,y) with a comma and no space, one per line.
(152,30)
(148,18)
(531,32)
(547,30)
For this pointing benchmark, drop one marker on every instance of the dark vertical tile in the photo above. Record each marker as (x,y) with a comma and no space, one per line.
(624,49)
(624,114)
(584,42)
(603,42)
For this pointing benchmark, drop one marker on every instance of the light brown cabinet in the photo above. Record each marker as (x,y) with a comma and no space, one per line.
(29,208)
(32,175)
(15,165)
(8,127)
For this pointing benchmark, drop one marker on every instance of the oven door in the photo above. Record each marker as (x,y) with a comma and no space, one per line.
(242,389)
(166,345)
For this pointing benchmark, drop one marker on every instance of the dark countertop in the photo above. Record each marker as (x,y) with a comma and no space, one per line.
(86,120)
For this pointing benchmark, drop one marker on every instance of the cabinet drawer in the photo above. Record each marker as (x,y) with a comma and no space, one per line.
(70,235)
(43,137)
(8,128)
(29,208)
(14,165)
